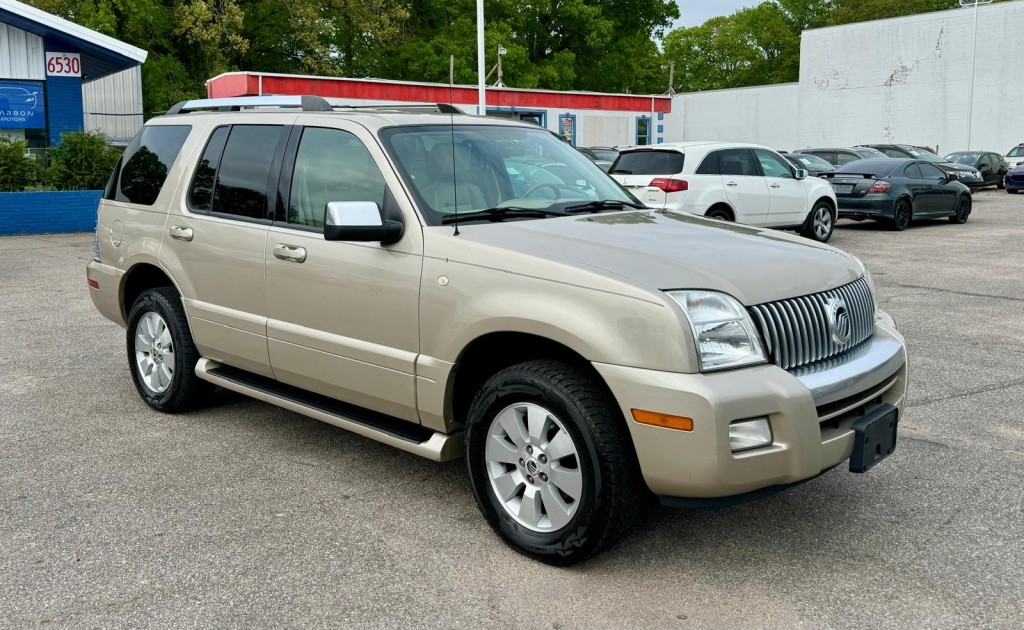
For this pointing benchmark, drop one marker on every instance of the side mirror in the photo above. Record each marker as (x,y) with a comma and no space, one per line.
(801,173)
(360,221)
(952,177)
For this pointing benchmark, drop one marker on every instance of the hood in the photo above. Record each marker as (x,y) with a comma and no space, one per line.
(1017,170)
(668,250)
(954,166)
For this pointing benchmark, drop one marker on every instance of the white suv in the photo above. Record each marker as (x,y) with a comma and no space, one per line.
(745,183)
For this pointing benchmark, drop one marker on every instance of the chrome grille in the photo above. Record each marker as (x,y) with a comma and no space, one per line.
(797,331)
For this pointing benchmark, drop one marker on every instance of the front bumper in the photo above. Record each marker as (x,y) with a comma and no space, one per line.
(1014,183)
(812,412)
(105,290)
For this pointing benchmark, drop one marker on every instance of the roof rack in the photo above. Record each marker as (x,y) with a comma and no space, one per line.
(307,103)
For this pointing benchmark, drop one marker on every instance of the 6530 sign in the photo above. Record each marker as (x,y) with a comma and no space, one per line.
(63,64)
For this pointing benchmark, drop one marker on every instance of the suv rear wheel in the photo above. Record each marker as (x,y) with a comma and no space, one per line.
(161,354)
(550,461)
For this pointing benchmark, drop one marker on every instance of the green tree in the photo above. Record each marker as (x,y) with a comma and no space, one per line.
(82,161)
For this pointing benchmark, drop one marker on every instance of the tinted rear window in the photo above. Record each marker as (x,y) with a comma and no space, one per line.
(241,188)
(878,168)
(147,160)
(649,163)
(868,152)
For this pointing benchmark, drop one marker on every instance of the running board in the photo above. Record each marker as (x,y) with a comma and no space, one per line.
(409,437)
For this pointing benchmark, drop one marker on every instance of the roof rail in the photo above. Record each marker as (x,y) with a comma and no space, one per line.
(307,103)
(442,108)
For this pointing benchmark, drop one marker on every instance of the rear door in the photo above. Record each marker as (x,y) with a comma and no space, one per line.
(787,196)
(343,316)
(745,188)
(215,246)
(637,169)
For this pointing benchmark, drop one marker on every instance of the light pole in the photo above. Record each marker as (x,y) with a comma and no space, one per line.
(974,58)
(481,85)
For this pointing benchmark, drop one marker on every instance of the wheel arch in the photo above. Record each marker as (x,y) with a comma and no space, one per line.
(141,277)
(722,205)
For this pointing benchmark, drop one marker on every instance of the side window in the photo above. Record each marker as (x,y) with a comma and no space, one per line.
(931,172)
(846,158)
(331,165)
(738,162)
(200,198)
(712,164)
(147,161)
(773,165)
(912,171)
(241,184)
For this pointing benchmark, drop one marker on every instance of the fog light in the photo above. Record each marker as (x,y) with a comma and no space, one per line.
(748,434)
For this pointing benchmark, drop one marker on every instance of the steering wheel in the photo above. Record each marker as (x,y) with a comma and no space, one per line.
(539,185)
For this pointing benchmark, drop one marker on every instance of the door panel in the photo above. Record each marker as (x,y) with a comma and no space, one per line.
(746,190)
(343,322)
(787,197)
(941,194)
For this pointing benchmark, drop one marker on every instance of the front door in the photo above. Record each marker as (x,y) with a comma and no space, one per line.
(343,316)
(942,194)
(787,197)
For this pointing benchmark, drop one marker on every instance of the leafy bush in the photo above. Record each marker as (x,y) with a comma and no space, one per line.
(18,170)
(82,161)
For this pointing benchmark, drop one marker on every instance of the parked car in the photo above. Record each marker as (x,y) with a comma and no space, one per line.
(1015,156)
(840,156)
(992,166)
(745,183)
(1014,180)
(968,175)
(810,163)
(602,156)
(898,191)
(373,269)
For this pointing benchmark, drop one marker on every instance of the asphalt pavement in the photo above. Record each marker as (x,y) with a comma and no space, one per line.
(244,515)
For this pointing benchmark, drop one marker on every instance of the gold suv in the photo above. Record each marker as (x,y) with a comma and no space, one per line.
(462,286)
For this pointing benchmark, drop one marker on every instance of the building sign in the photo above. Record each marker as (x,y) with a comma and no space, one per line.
(60,64)
(21,105)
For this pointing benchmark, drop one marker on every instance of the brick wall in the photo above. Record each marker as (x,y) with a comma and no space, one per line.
(49,212)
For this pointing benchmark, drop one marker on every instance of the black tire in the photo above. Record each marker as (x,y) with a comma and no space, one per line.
(185,390)
(720,214)
(610,474)
(1000,185)
(809,229)
(963,210)
(901,216)
(1012,192)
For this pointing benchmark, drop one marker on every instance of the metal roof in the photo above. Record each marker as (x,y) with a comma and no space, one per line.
(101,54)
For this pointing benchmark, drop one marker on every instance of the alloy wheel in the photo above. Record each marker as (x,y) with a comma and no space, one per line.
(154,353)
(822,222)
(533,466)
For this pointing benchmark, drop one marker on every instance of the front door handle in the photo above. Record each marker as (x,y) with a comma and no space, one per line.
(775,185)
(292,253)
(730,184)
(181,233)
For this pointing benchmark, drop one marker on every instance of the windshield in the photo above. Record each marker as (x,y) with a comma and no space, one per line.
(1016,152)
(927,156)
(811,162)
(494,166)
(970,159)
(868,152)
(649,162)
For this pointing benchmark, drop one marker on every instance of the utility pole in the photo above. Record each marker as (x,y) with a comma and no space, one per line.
(671,78)
(974,61)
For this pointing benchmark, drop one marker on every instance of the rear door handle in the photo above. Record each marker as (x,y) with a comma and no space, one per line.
(730,184)
(775,185)
(292,253)
(181,233)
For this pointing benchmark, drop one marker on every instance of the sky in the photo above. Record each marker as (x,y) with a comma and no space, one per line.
(695,12)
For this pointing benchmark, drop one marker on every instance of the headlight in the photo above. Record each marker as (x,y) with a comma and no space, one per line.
(725,336)
(871,284)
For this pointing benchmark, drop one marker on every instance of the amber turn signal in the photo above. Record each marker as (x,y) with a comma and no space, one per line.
(663,420)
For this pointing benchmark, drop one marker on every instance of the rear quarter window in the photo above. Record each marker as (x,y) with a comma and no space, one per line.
(649,163)
(146,162)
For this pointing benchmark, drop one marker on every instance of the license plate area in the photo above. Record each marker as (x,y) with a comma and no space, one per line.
(874,438)
(843,188)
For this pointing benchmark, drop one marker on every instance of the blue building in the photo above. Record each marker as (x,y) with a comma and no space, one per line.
(55,74)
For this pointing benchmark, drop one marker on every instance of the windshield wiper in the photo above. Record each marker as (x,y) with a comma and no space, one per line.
(603,204)
(500,214)
(624,171)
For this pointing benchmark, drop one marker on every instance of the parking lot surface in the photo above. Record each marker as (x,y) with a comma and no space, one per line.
(246,515)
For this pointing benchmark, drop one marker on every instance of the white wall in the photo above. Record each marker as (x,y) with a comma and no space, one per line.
(907,80)
(113,105)
(21,55)
(765,115)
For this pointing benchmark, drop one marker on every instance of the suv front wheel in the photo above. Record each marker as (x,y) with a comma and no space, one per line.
(550,461)
(161,354)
